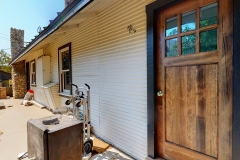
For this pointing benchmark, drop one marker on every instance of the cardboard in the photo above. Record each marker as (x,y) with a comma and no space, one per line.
(99,146)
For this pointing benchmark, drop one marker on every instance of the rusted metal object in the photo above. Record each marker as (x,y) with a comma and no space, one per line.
(57,141)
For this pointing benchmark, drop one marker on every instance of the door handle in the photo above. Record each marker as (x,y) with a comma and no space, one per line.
(159,93)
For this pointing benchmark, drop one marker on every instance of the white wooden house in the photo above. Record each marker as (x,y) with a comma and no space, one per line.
(114,46)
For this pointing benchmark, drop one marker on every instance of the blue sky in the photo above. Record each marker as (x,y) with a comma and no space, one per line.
(27,15)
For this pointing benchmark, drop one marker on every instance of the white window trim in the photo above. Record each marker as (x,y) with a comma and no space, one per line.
(33,82)
(61,80)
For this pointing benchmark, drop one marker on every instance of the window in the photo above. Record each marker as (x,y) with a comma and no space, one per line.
(192,32)
(64,61)
(33,73)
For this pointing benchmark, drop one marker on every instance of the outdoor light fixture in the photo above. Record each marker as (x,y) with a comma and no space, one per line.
(131,29)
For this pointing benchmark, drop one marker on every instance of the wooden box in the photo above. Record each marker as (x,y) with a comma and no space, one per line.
(55,142)
(3,92)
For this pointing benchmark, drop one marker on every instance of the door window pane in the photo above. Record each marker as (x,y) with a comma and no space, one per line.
(209,15)
(188,21)
(65,60)
(172,47)
(189,44)
(171,26)
(67,85)
(208,40)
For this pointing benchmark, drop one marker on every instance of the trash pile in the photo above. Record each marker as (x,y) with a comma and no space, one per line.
(27,98)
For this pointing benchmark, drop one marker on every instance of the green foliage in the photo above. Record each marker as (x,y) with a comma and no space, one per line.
(173,32)
(5,58)
(208,22)
(172,47)
(208,40)
(189,44)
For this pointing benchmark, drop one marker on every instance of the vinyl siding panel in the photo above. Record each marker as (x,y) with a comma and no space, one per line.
(113,62)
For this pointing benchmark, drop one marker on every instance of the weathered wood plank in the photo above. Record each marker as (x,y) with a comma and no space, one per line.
(175,152)
(225,79)
(212,109)
(201,110)
(203,120)
(191,107)
(193,59)
(169,102)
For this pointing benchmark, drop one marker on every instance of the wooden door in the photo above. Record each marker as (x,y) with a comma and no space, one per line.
(194,74)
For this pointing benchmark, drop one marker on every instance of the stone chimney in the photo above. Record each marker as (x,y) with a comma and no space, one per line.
(19,79)
(17,41)
(68,2)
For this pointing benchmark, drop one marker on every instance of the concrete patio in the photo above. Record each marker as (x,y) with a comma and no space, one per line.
(13,124)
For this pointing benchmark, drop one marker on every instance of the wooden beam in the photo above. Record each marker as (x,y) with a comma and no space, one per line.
(83,16)
(51,38)
(54,36)
(66,28)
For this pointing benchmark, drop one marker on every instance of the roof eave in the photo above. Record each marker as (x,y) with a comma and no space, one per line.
(75,7)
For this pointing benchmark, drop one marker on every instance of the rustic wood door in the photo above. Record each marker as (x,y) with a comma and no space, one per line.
(193,62)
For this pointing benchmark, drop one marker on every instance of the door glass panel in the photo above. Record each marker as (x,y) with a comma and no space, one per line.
(65,60)
(189,44)
(209,15)
(171,26)
(172,47)
(67,85)
(208,40)
(188,21)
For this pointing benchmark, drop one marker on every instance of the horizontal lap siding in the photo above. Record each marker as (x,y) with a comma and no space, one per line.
(123,80)
(113,62)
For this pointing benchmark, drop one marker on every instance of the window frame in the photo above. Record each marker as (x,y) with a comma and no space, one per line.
(60,71)
(197,31)
(33,77)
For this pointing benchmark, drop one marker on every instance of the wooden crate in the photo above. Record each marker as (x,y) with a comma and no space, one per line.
(3,92)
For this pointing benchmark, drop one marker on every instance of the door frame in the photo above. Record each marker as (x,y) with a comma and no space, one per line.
(28,75)
(236,80)
(233,99)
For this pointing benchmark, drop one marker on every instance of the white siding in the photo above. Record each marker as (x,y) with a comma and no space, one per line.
(38,93)
(51,95)
(113,62)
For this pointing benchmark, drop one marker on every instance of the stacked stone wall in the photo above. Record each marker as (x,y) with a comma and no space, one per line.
(17,41)
(19,83)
